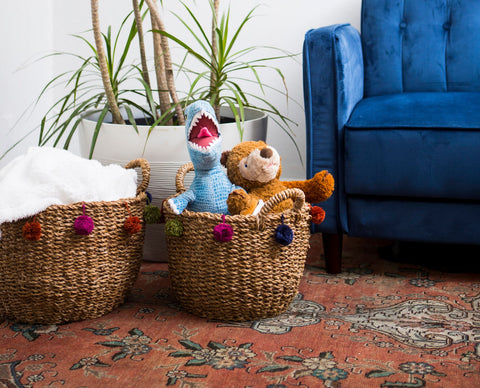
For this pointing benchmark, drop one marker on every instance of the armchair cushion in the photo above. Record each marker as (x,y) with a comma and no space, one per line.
(420,145)
(420,45)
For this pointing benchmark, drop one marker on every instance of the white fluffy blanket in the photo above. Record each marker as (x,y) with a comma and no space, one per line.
(47,176)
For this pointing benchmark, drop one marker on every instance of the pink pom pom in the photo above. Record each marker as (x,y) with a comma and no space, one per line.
(223,232)
(84,224)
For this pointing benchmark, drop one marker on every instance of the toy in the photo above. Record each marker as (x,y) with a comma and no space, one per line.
(211,186)
(256,167)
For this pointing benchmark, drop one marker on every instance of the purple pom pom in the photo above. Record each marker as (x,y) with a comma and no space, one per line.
(283,234)
(223,232)
(84,224)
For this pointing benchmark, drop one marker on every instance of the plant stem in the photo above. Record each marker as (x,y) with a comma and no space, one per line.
(213,76)
(163,94)
(152,5)
(102,63)
(141,44)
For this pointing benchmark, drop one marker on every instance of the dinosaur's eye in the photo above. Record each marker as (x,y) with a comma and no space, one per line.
(245,166)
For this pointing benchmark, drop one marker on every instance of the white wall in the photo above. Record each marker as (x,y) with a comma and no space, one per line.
(19,80)
(31,28)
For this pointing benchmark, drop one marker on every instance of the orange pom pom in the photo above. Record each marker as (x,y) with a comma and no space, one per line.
(318,214)
(32,230)
(132,225)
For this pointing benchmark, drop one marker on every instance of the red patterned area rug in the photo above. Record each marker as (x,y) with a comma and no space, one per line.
(380,323)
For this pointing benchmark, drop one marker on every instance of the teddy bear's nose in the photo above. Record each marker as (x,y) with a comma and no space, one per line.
(266,153)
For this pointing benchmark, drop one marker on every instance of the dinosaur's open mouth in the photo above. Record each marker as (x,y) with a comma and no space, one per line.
(203,130)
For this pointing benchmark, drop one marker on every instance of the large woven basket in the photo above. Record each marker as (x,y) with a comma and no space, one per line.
(65,276)
(249,277)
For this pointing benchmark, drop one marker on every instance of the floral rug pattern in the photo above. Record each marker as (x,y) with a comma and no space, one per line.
(377,324)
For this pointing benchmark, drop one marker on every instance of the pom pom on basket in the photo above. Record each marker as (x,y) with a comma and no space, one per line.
(132,224)
(223,232)
(283,234)
(152,214)
(173,228)
(32,230)
(84,224)
(318,214)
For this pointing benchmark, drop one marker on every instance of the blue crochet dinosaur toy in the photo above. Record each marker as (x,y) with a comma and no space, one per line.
(211,186)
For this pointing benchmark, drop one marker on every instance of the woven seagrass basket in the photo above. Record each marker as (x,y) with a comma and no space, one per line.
(64,276)
(249,277)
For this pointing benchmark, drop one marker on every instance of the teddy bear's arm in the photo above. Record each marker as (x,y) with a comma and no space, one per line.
(239,202)
(317,189)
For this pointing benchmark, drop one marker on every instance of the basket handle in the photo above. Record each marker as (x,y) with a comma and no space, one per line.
(296,194)
(180,177)
(145,166)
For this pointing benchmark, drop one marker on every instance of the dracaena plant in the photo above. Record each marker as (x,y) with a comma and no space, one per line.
(108,81)
(225,70)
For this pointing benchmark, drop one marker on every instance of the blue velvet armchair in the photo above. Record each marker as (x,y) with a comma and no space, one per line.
(394,114)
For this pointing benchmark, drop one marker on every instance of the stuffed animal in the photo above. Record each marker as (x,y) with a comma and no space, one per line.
(256,167)
(211,186)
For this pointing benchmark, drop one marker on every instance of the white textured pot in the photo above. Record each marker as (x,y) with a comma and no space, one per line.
(166,151)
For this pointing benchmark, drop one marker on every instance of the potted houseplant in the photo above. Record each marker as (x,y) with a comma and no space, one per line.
(154,106)
(219,65)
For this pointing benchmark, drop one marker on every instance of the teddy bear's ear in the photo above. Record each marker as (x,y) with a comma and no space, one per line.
(224,157)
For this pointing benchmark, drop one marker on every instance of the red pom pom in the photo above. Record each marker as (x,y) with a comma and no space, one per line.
(223,232)
(318,214)
(132,225)
(32,230)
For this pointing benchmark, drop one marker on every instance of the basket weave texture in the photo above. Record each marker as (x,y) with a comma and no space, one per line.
(247,278)
(65,277)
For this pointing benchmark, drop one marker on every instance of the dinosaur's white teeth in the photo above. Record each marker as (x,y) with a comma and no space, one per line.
(204,149)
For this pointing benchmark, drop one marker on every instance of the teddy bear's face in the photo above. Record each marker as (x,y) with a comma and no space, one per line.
(252,164)
(261,165)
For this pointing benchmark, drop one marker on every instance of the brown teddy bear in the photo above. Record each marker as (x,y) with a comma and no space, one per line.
(256,167)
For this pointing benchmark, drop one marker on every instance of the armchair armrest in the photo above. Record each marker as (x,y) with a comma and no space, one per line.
(333,84)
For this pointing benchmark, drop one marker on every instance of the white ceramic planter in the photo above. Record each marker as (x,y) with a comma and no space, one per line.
(166,151)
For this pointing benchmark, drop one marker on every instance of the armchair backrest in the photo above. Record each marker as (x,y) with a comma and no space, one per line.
(421,45)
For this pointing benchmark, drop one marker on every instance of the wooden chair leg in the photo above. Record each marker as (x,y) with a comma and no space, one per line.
(332,248)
